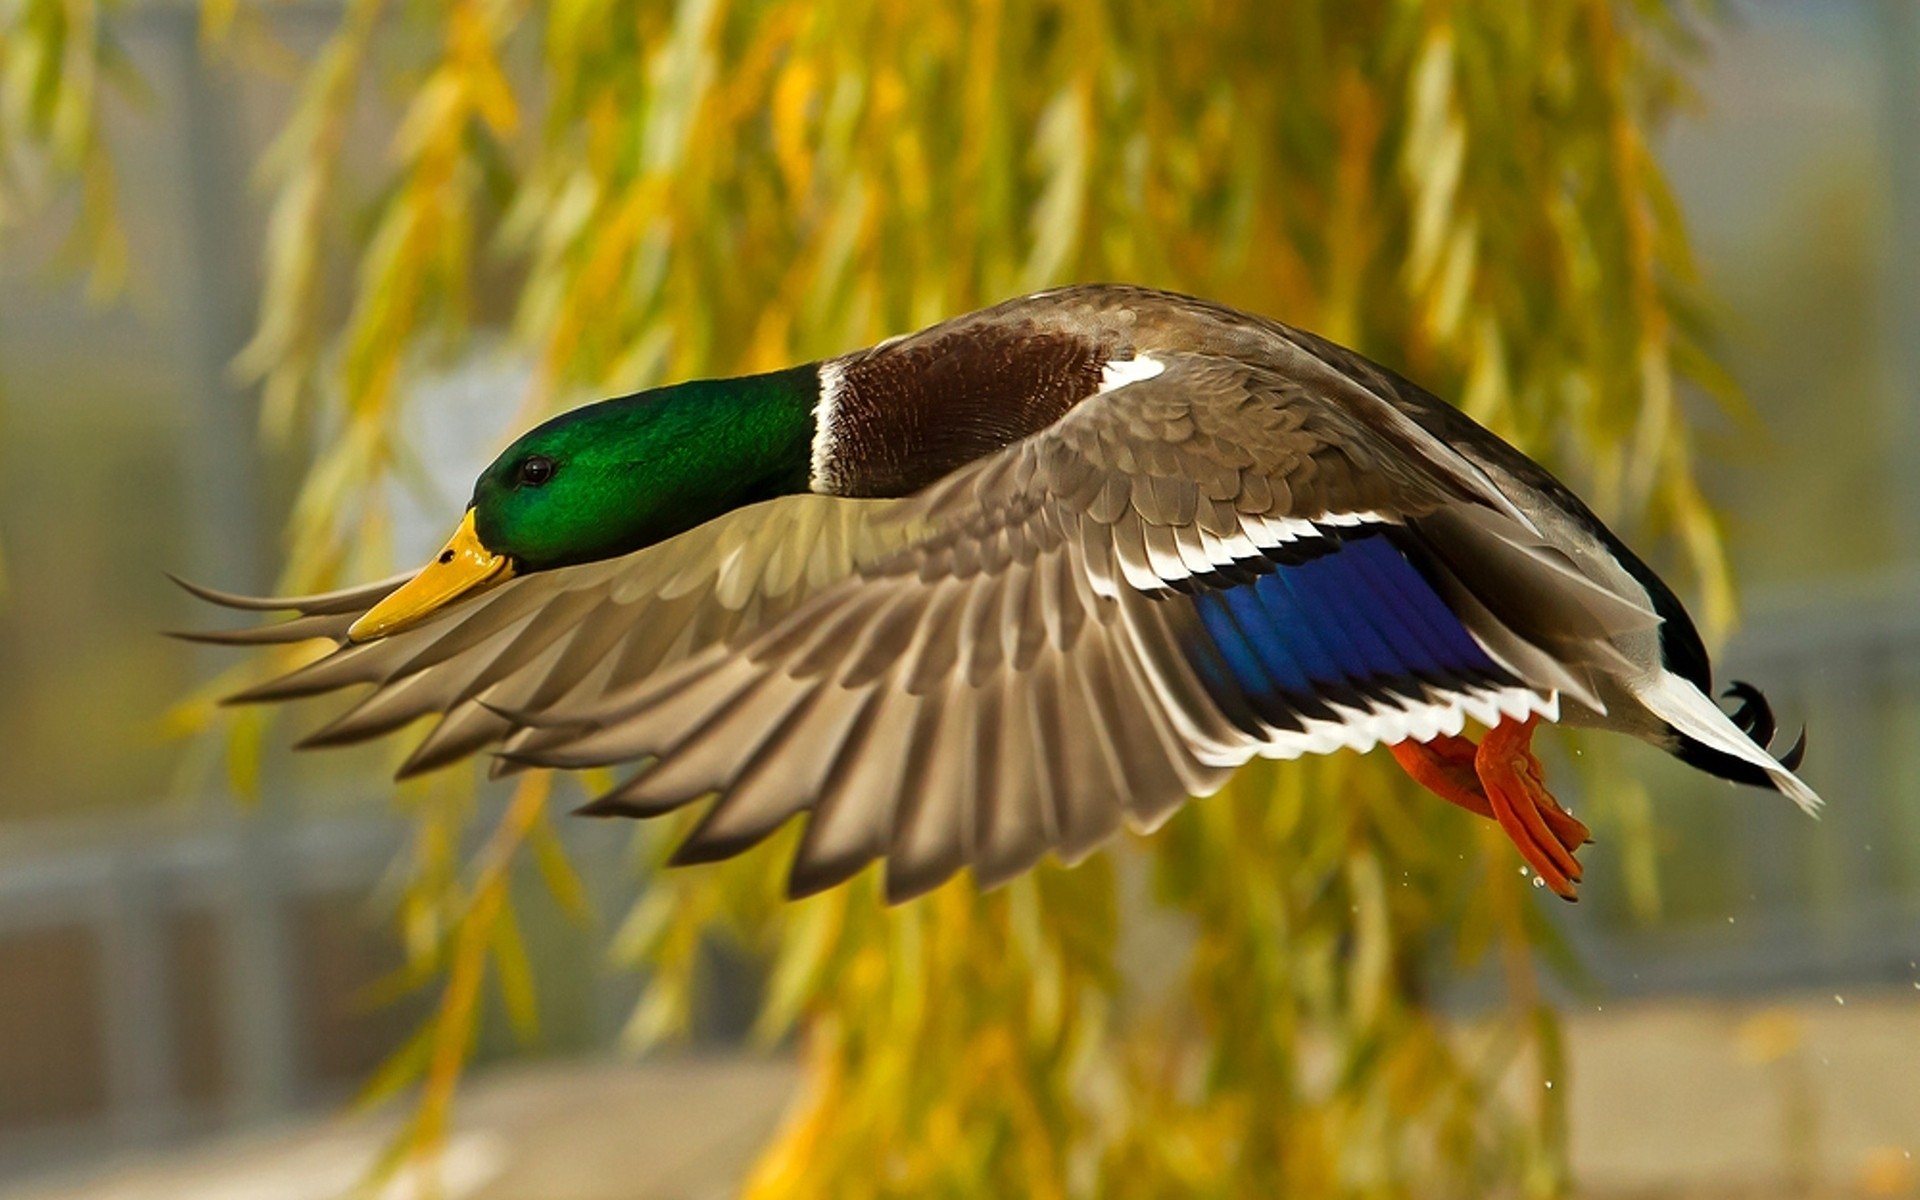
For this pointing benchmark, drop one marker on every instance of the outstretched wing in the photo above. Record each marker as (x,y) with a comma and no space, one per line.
(548,641)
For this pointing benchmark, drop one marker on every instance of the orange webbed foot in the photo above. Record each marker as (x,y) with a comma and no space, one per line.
(1445,767)
(1500,779)
(1545,833)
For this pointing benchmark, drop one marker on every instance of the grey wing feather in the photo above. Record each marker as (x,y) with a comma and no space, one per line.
(546,641)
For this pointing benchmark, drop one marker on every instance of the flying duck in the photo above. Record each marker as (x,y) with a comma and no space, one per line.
(987,591)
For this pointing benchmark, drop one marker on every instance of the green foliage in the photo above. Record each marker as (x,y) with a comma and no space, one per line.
(646,191)
(56,59)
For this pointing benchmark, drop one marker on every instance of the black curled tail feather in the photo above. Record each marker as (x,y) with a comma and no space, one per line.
(1754,717)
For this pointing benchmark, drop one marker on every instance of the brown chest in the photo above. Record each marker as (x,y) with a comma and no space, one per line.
(895,418)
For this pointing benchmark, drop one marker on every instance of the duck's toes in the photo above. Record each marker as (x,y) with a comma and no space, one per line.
(1545,833)
(1500,779)
(1568,830)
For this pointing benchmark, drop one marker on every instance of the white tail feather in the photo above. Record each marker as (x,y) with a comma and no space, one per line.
(1694,714)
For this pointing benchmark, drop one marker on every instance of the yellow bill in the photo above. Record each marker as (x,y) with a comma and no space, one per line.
(464,568)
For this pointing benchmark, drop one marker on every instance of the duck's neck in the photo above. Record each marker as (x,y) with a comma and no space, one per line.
(750,437)
(665,460)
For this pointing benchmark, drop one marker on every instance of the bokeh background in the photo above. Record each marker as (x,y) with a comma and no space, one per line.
(271,290)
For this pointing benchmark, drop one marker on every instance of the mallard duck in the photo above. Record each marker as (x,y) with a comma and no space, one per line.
(986,591)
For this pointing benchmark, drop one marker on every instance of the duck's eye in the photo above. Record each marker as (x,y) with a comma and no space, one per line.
(535,470)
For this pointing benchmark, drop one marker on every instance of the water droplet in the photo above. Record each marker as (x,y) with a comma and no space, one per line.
(1549,1085)
(1539,882)
(1729,920)
(1839,999)
(1524,872)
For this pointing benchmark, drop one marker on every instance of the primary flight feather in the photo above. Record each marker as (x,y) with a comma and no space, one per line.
(987,591)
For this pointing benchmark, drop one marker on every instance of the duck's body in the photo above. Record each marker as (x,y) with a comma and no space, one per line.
(979,593)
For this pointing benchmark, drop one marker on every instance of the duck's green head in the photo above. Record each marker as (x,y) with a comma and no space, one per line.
(612,478)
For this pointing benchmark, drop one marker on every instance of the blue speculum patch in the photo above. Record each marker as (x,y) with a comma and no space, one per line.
(1357,623)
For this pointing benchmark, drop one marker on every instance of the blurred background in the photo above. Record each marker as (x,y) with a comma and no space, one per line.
(193,928)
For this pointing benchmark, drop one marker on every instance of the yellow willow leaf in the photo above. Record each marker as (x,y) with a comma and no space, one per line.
(795,96)
(680,72)
(909,953)
(24,58)
(101,241)
(217,19)
(564,217)
(645,361)
(563,882)
(663,1012)
(246,742)
(71,128)
(654,255)
(1548,1177)
(838,242)
(1451,289)
(397,984)
(770,346)
(1061,144)
(809,937)
(1438,180)
(471,49)
(1655,424)
(646,925)
(200,709)
(423,925)
(514,974)
(291,249)
(611,244)
(572,22)
(401,1070)
(1046,998)
(1488,392)
(1369,970)
(1701,533)
(806,1137)
(439,108)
